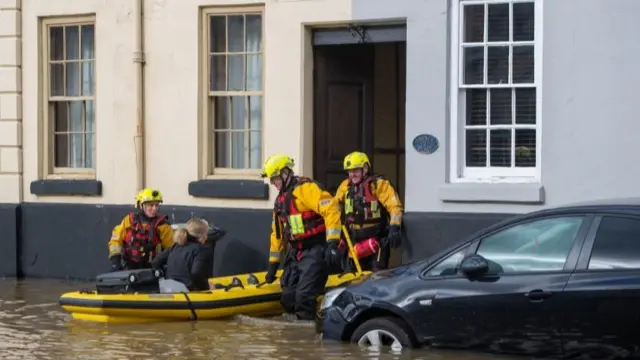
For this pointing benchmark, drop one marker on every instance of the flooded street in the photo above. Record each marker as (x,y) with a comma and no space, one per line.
(33,326)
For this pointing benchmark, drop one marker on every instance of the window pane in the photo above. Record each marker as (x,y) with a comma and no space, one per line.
(56,43)
(448,266)
(72,74)
(541,245)
(498,22)
(523,71)
(523,21)
(86,38)
(239,143)
(222,140)
(255,146)
(235,72)
(255,112)
(254,33)
(500,148)
(218,34)
(59,116)
(89,148)
(525,106)
(500,100)
(221,111)
(238,112)
(473,23)
(254,72)
(61,150)
(77,150)
(218,73)
(236,33)
(473,65)
(476,146)
(75,117)
(525,147)
(72,43)
(87,78)
(617,244)
(476,109)
(56,80)
(498,64)
(89,117)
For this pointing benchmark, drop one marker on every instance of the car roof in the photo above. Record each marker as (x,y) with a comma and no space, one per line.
(628,203)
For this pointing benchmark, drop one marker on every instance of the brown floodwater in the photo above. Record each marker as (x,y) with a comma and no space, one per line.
(33,326)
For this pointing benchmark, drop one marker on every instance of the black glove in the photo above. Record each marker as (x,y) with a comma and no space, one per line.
(395,237)
(116,262)
(271,273)
(331,254)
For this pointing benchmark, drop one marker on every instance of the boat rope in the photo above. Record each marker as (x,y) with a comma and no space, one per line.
(193,316)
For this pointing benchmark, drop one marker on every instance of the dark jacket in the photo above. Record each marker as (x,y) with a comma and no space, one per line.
(191,264)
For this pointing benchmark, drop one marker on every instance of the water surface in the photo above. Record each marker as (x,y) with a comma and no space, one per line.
(33,326)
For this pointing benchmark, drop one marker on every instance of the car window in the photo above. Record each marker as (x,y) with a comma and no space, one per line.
(448,266)
(540,245)
(617,244)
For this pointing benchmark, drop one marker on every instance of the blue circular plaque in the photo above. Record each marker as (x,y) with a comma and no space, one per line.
(426,144)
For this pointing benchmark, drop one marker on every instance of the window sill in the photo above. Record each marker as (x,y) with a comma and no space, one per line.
(519,193)
(67,187)
(230,189)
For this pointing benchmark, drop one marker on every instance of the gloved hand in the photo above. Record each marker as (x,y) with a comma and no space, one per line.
(271,273)
(395,237)
(331,254)
(116,262)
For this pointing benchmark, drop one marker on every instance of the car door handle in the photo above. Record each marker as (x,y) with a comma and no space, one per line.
(538,294)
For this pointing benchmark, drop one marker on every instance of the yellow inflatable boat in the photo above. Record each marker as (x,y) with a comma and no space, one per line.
(232,295)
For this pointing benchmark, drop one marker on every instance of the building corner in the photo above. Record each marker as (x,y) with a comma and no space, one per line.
(10,133)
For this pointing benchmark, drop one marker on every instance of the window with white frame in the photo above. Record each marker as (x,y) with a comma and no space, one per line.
(498,87)
(68,66)
(234,94)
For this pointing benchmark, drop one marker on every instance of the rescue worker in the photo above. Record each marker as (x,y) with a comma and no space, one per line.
(306,217)
(371,211)
(189,260)
(141,235)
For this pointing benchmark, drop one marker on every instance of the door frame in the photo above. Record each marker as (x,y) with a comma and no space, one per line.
(334,34)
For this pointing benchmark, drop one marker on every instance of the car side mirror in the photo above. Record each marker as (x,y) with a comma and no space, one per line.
(474,265)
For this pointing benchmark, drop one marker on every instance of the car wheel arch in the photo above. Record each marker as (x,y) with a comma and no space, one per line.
(377,312)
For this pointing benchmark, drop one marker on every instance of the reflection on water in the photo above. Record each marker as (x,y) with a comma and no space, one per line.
(33,326)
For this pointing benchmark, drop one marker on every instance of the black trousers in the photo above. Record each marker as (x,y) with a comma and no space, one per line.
(304,279)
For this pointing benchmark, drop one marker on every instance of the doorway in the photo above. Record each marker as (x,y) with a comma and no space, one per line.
(359,105)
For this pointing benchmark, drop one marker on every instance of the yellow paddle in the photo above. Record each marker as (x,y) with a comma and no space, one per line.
(352,250)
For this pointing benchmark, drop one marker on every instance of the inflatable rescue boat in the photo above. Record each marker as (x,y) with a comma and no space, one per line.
(135,296)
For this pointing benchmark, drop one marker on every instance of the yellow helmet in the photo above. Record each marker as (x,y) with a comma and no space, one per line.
(148,194)
(356,160)
(275,164)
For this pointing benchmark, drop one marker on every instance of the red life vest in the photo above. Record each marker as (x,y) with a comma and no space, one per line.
(142,242)
(361,207)
(297,225)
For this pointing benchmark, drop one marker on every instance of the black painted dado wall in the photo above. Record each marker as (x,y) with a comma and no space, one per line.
(70,240)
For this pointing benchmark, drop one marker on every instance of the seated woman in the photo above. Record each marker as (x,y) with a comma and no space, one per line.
(189,260)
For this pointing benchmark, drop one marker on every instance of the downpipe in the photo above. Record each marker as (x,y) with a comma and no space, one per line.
(139,61)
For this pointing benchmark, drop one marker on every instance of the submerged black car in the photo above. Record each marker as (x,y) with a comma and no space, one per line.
(561,283)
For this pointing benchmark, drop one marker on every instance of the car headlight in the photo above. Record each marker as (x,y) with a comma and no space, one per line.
(330,297)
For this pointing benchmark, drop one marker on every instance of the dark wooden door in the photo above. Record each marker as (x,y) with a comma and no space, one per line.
(343,108)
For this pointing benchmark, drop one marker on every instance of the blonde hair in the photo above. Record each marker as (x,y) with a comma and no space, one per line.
(195,227)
